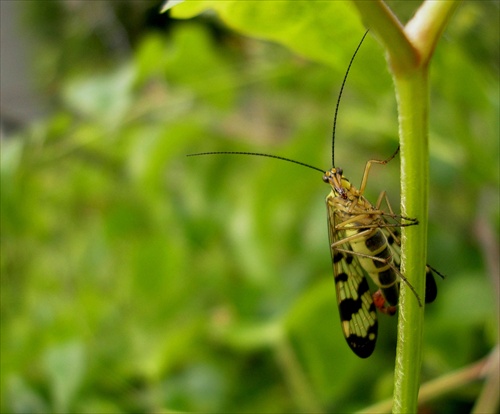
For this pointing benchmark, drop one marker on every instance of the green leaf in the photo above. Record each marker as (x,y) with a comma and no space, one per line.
(65,367)
(309,28)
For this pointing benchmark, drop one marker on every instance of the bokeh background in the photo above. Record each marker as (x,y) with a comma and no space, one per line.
(134,279)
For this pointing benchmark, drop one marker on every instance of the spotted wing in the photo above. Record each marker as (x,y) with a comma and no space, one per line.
(358,316)
(394,239)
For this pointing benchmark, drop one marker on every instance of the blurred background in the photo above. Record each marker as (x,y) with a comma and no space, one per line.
(134,279)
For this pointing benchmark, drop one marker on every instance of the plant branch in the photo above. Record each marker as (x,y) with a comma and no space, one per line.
(428,24)
(390,32)
(486,368)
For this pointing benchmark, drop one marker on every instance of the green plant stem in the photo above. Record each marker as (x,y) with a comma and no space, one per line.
(412,96)
(411,84)
(409,52)
(412,92)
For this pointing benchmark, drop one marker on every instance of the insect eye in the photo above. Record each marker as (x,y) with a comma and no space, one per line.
(326,178)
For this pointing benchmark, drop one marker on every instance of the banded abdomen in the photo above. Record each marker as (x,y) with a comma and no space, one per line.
(374,254)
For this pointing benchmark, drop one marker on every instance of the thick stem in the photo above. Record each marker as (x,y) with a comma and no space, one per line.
(412,94)
(409,51)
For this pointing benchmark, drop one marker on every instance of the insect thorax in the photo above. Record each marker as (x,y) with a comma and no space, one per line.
(349,205)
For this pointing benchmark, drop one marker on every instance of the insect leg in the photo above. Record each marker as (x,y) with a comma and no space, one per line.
(383,197)
(369,165)
(430,283)
(360,218)
(385,261)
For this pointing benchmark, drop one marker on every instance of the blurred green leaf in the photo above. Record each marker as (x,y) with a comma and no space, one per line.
(135,279)
(21,398)
(65,368)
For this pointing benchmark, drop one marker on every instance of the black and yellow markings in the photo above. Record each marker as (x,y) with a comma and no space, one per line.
(359,249)
(358,316)
(394,241)
(364,242)
(379,263)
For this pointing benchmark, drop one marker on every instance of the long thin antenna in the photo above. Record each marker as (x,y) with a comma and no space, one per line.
(340,95)
(257,154)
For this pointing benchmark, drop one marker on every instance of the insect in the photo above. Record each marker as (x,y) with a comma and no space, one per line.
(364,241)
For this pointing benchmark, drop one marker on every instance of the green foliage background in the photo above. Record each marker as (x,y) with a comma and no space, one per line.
(135,279)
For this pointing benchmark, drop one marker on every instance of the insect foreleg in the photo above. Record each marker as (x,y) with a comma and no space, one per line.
(360,218)
(410,221)
(383,197)
(369,165)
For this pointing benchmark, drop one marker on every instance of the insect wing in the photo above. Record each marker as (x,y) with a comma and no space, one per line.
(394,240)
(358,316)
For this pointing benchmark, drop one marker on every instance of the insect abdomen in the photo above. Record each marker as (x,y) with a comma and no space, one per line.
(376,259)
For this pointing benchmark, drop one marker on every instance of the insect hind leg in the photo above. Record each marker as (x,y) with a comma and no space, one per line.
(384,261)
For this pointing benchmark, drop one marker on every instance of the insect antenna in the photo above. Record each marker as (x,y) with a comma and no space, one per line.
(340,95)
(258,154)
